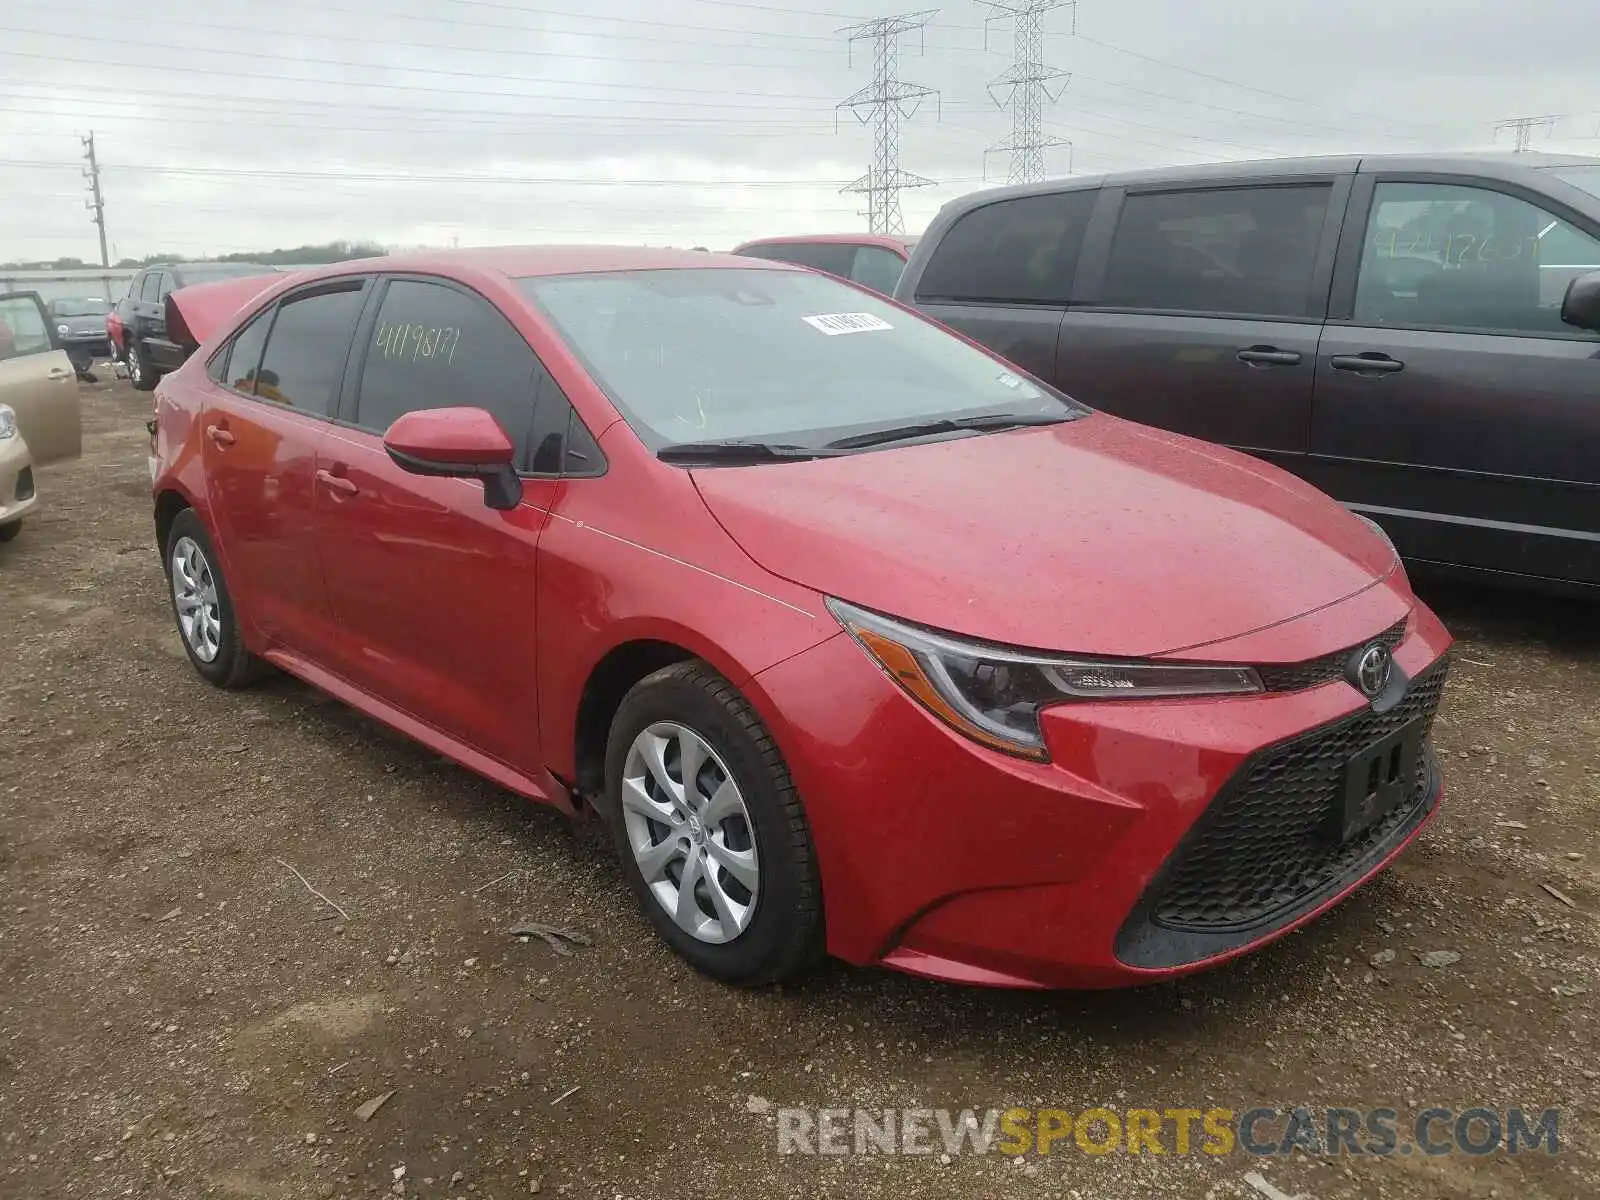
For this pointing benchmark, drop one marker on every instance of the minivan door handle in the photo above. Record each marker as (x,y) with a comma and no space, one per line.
(1269,356)
(1371,362)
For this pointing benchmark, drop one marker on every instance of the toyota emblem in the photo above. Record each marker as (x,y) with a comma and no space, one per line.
(1373,668)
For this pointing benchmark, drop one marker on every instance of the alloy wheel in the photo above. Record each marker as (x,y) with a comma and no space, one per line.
(690,832)
(194,595)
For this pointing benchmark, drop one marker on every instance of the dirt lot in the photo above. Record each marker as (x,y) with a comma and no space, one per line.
(182,1016)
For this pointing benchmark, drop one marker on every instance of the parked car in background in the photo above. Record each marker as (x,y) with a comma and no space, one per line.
(855,638)
(1418,336)
(138,325)
(869,259)
(81,326)
(40,422)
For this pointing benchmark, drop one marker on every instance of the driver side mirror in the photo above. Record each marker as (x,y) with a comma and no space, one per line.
(1581,305)
(459,443)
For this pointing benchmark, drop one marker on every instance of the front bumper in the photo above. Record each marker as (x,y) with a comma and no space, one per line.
(18,494)
(946,859)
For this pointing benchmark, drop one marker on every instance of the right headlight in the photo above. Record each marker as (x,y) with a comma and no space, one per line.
(8,422)
(994,694)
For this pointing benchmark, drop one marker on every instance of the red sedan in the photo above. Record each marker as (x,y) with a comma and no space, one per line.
(858,639)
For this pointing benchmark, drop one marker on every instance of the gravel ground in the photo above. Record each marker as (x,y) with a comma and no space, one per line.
(182,1016)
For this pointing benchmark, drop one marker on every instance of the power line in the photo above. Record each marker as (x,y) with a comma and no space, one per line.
(885,102)
(1522,129)
(96,203)
(1027,85)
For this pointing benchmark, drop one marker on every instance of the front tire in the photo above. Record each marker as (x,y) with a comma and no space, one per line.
(203,608)
(710,830)
(9,531)
(141,371)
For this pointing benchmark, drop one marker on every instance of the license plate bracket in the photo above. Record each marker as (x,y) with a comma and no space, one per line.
(1377,781)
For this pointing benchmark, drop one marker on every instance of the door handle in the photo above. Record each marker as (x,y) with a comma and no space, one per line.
(339,483)
(1269,356)
(57,374)
(1370,362)
(219,435)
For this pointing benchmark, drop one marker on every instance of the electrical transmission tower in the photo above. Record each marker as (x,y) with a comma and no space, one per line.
(1522,130)
(885,102)
(96,202)
(1027,86)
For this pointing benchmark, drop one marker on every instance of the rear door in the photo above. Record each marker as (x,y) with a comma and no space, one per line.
(1201,307)
(264,418)
(37,380)
(1452,403)
(434,591)
(1003,274)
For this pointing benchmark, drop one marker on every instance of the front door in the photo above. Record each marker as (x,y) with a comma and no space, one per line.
(1452,403)
(37,380)
(1204,314)
(434,590)
(262,426)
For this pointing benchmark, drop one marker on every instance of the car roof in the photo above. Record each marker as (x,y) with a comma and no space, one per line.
(887,241)
(519,262)
(1493,164)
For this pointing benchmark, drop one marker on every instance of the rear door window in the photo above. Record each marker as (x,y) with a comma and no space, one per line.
(305,355)
(833,257)
(151,287)
(1021,251)
(877,268)
(237,364)
(434,346)
(1244,251)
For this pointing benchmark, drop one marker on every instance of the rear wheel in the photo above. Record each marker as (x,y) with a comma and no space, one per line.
(710,830)
(141,372)
(203,607)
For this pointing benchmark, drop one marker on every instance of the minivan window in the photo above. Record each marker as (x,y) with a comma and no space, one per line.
(776,356)
(305,355)
(1457,257)
(433,347)
(1246,251)
(1018,251)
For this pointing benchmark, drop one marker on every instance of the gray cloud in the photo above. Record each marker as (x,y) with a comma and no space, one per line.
(229,125)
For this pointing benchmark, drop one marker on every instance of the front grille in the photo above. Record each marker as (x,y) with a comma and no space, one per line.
(1314,672)
(25,484)
(1262,853)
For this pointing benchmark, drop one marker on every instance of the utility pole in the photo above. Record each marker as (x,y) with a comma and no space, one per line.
(96,203)
(1522,130)
(1027,86)
(885,102)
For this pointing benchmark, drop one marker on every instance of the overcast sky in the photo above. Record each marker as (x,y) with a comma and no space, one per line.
(236,125)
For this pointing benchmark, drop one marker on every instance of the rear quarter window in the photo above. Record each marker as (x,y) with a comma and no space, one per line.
(1012,251)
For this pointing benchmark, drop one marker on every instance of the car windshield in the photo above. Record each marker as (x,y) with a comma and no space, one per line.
(80,308)
(787,357)
(1587,178)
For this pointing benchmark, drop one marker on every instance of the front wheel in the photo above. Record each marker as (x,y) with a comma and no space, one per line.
(141,372)
(710,829)
(9,531)
(203,607)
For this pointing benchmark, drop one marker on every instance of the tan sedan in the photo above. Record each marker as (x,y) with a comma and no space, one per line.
(40,421)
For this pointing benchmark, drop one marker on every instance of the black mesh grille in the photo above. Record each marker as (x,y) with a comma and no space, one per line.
(1294,677)
(1263,847)
(25,484)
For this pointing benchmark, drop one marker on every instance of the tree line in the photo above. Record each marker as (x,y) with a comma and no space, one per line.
(325,252)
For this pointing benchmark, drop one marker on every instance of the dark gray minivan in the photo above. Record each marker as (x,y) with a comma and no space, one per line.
(1406,333)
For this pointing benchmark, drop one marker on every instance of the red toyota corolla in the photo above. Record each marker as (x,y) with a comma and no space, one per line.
(859,639)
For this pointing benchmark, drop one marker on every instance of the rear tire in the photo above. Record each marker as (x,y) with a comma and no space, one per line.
(8,532)
(202,607)
(141,371)
(753,829)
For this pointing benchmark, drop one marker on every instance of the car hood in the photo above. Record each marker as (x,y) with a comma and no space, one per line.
(195,312)
(89,324)
(1096,536)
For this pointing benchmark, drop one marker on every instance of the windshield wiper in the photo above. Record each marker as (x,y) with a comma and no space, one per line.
(737,452)
(986,423)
